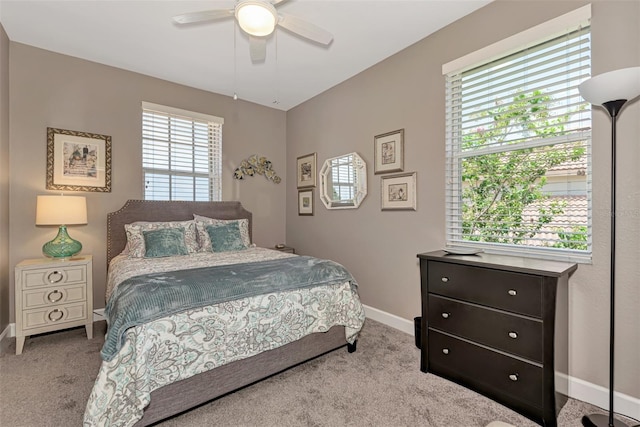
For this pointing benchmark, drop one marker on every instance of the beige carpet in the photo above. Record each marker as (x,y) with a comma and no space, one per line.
(379,385)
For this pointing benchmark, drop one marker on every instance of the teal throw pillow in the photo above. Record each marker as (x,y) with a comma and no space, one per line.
(164,242)
(225,237)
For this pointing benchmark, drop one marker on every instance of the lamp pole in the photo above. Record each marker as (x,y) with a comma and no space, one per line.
(611,90)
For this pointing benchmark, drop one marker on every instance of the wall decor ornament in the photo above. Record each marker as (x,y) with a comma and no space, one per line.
(256,164)
(306,171)
(398,192)
(78,161)
(305,202)
(389,152)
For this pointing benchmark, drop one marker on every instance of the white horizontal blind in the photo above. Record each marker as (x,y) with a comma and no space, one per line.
(343,178)
(181,154)
(518,151)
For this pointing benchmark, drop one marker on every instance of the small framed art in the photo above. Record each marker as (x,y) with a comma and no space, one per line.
(78,161)
(305,202)
(398,192)
(306,171)
(389,152)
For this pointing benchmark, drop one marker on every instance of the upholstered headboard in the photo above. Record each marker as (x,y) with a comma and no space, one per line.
(153,210)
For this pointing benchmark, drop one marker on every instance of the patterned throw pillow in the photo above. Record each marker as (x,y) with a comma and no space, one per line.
(135,239)
(225,237)
(164,242)
(204,239)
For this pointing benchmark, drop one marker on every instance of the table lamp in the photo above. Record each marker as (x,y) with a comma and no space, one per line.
(61,211)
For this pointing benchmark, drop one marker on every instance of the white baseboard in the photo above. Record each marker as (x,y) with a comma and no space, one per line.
(9,331)
(599,396)
(578,389)
(98,314)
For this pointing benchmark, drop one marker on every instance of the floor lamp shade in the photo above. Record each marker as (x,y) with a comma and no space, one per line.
(611,90)
(623,84)
(61,211)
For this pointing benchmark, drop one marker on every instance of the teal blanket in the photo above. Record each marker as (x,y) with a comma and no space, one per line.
(149,297)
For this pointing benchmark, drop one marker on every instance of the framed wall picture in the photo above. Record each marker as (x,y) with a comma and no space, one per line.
(305,202)
(306,171)
(78,161)
(398,192)
(389,152)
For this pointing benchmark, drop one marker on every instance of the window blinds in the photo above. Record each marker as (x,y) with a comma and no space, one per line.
(518,150)
(181,154)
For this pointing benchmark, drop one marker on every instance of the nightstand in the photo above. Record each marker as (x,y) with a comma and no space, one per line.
(287,249)
(53,294)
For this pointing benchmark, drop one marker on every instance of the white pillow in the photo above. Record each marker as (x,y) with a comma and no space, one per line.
(135,239)
(203,237)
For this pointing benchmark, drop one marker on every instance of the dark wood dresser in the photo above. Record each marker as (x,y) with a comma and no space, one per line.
(498,325)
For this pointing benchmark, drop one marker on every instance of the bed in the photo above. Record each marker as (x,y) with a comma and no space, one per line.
(171,362)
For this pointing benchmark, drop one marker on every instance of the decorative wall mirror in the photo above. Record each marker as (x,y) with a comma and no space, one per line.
(343,181)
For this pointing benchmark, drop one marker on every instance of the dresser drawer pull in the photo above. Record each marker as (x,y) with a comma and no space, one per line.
(446,315)
(513,335)
(444,279)
(445,350)
(55,296)
(513,377)
(55,277)
(512,292)
(59,316)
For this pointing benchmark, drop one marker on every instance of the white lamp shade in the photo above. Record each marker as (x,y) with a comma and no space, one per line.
(623,84)
(257,18)
(61,210)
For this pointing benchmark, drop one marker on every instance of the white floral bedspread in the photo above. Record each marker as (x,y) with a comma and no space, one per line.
(185,344)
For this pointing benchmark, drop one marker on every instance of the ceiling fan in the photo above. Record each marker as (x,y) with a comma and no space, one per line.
(258,18)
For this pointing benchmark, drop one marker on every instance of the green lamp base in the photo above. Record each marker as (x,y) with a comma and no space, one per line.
(62,246)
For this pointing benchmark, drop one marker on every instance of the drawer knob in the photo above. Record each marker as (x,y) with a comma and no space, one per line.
(54,277)
(513,335)
(55,315)
(512,292)
(513,377)
(446,315)
(54,296)
(444,279)
(445,350)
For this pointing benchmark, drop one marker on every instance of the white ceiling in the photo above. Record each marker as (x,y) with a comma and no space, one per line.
(140,36)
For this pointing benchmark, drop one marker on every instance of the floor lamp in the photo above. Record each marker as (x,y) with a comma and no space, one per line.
(611,90)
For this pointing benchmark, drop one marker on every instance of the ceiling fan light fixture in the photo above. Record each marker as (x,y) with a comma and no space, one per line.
(256,18)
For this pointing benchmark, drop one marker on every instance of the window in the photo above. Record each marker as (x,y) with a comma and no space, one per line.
(518,147)
(181,154)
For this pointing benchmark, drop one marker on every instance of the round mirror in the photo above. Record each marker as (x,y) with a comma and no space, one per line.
(343,182)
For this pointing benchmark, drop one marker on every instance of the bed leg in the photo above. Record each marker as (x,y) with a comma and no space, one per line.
(351,348)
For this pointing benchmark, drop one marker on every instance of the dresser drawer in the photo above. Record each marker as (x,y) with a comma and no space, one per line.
(50,296)
(515,292)
(488,371)
(53,276)
(58,315)
(508,332)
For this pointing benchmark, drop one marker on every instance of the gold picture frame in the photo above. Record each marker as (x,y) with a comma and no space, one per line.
(389,152)
(78,161)
(398,192)
(306,171)
(305,202)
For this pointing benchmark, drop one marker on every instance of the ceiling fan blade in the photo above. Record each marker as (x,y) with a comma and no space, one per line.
(305,29)
(257,49)
(277,2)
(205,15)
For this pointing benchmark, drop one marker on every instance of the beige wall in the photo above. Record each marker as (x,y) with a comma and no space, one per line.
(48,89)
(407,91)
(4,180)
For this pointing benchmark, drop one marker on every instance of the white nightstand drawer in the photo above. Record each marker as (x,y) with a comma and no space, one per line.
(54,276)
(54,296)
(40,317)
